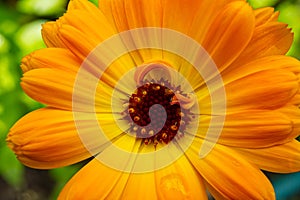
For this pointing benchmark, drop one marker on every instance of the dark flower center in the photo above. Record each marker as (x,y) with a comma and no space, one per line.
(156,124)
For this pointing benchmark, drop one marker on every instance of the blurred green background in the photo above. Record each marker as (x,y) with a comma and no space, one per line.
(20,25)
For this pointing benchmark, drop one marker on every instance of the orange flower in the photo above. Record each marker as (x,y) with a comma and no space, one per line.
(229,100)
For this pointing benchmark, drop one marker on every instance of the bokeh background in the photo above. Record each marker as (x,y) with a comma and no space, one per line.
(20,25)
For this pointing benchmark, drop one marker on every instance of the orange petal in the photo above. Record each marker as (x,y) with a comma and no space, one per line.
(50,34)
(95,181)
(225,39)
(265,89)
(127,15)
(231,176)
(83,5)
(293,112)
(50,29)
(254,128)
(140,186)
(88,45)
(76,41)
(56,58)
(47,138)
(265,15)
(55,88)
(283,158)
(265,63)
(50,86)
(151,16)
(94,25)
(201,16)
(269,39)
(103,179)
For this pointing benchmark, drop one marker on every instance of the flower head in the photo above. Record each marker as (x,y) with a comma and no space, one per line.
(170,97)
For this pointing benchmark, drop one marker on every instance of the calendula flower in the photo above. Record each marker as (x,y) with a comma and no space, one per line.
(171,97)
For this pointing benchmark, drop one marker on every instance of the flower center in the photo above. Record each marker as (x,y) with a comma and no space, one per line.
(157,124)
(139,104)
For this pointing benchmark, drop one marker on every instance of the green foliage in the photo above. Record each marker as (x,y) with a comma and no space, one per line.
(289,13)
(262,3)
(11,169)
(19,35)
(42,7)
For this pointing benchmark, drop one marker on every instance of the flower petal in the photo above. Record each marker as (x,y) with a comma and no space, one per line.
(265,15)
(225,39)
(83,5)
(179,181)
(103,176)
(268,39)
(201,19)
(57,88)
(50,86)
(258,90)
(100,182)
(56,58)
(50,31)
(47,138)
(283,158)
(231,176)
(293,112)
(94,49)
(265,63)
(251,128)
(94,24)
(50,34)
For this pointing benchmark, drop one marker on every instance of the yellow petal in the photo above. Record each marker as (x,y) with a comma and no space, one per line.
(47,138)
(225,39)
(56,58)
(231,176)
(283,158)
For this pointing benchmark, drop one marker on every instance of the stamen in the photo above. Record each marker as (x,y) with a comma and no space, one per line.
(185,102)
(167,120)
